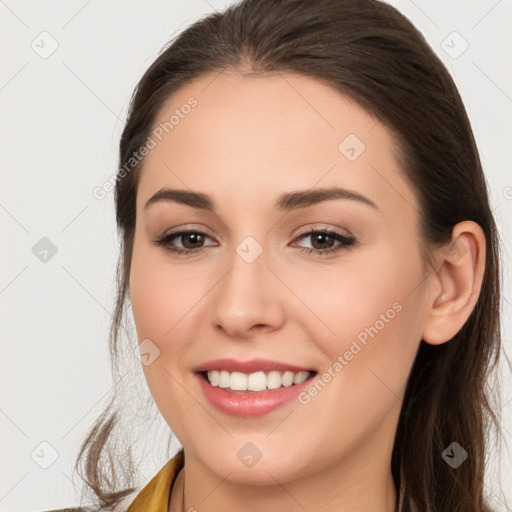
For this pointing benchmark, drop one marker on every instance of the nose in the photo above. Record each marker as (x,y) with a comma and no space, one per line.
(248,299)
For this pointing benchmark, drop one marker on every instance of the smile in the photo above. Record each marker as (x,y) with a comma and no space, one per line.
(255,382)
(252,388)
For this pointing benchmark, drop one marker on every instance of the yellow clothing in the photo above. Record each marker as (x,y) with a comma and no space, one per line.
(155,496)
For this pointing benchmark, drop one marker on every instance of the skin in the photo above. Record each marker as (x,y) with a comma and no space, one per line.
(249,140)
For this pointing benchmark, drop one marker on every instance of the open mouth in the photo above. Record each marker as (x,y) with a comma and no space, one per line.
(257,382)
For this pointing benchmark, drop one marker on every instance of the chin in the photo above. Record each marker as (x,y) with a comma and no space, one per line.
(247,464)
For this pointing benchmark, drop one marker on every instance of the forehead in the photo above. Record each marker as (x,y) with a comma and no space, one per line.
(259,136)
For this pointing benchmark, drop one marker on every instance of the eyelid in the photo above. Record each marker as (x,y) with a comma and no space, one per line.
(304,230)
(324,227)
(164,240)
(187,227)
(344,242)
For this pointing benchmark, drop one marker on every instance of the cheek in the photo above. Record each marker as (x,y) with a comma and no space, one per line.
(376,319)
(158,296)
(370,313)
(167,303)
(160,300)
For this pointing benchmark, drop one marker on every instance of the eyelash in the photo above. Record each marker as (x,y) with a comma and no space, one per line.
(346,242)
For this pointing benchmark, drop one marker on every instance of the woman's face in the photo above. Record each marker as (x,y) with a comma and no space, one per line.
(258,285)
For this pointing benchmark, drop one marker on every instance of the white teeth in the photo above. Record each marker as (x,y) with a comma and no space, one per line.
(300,377)
(274,379)
(258,381)
(214,378)
(287,379)
(223,379)
(238,381)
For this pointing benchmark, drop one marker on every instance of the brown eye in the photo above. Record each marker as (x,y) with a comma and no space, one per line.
(326,242)
(191,241)
(322,241)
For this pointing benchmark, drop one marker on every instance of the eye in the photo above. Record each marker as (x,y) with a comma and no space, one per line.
(325,241)
(192,241)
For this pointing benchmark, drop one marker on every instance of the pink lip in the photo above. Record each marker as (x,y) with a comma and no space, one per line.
(255,365)
(249,404)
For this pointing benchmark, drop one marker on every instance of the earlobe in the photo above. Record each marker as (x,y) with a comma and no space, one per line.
(455,286)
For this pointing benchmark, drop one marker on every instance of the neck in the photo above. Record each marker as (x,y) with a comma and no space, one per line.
(362,481)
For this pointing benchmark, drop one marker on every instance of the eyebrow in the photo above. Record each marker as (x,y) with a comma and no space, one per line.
(286,202)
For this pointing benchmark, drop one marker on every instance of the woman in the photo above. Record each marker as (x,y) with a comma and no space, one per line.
(312,267)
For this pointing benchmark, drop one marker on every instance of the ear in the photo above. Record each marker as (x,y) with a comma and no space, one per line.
(455,286)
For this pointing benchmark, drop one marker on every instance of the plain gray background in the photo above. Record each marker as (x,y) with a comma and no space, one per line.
(68,70)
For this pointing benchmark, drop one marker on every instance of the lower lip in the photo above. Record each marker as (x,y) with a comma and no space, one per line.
(250,405)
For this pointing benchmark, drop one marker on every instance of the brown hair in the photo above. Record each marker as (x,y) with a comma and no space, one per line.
(370,52)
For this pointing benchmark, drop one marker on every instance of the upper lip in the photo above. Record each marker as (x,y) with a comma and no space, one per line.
(252,366)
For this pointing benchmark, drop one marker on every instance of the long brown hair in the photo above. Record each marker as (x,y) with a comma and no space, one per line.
(370,52)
